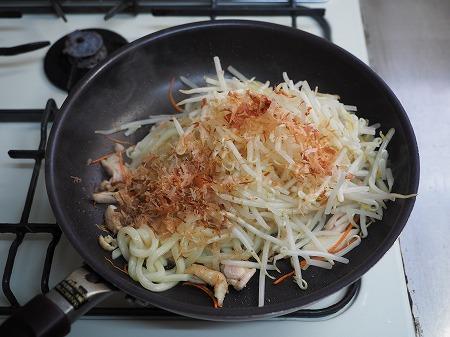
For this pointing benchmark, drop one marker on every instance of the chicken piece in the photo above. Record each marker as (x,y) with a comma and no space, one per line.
(104,197)
(238,277)
(214,278)
(107,242)
(105,185)
(112,219)
(114,167)
(119,148)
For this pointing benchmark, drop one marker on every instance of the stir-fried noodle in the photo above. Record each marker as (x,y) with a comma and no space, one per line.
(247,174)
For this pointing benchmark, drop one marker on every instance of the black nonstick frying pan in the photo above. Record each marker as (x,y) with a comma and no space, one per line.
(132,84)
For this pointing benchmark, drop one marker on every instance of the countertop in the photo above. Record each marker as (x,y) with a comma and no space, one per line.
(409,46)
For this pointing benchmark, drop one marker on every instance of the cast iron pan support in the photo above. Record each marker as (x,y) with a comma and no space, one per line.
(23,48)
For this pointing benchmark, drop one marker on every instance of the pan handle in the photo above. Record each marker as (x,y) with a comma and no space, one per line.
(52,314)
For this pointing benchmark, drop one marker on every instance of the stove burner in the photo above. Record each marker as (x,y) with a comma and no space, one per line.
(85,49)
(71,57)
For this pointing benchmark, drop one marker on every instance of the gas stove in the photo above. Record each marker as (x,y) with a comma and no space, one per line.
(34,253)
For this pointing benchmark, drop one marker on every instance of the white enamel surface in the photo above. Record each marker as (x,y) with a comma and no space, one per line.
(382,308)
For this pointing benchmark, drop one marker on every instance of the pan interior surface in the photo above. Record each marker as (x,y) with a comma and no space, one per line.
(133,84)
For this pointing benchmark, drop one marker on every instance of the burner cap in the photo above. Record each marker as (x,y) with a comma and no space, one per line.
(85,49)
(70,58)
(83,43)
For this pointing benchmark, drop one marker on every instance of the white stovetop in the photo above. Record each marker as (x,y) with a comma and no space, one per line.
(382,308)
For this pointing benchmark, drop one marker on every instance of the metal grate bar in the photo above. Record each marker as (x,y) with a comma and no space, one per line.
(293,4)
(121,7)
(37,156)
(23,227)
(213,7)
(141,7)
(30,227)
(49,259)
(10,15)
(6,279)
(21,115)
(317,14)
(26,154)
(209,8)
(58,9)
(23,48)
(239,11)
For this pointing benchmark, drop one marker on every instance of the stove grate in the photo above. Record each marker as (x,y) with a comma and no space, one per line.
(208,8)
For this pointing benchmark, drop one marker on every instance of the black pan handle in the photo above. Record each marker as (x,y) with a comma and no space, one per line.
(39,317)
(51,315)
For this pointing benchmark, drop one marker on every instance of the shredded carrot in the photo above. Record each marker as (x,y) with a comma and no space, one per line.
(171,99)
(348,244)
(206,290)
(122,165)
(283,277)
(333,249)
(303,263)
(98,160)
(114,140)
(112,263)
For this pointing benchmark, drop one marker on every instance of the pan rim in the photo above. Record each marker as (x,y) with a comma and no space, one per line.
(227,314)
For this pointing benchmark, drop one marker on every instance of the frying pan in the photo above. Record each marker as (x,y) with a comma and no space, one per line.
(132,84)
